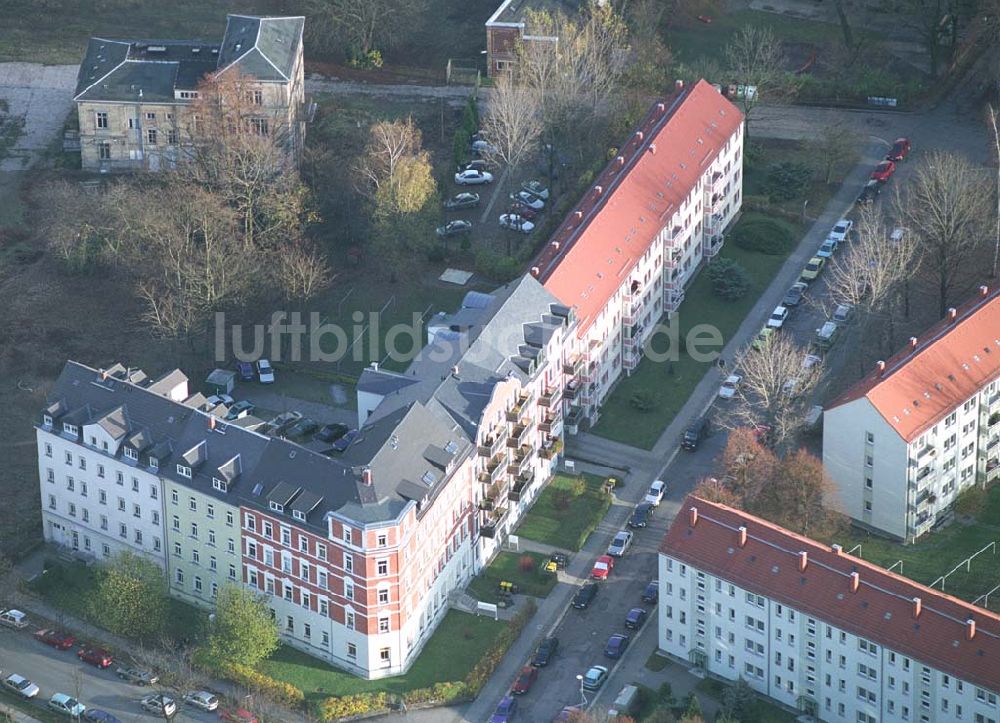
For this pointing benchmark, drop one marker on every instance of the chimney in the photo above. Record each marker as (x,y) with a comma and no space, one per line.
(880,366)
(639,135)
(661,107)
(535,271)
(693,516)
(837,549)
(555,245)
(952,313)
(984,290)
(211,421)
(855,581)
(913,342)
(970,629)
(621,160)
(599,189)
(916,607)
(743,536)
(803,560)
(678,84)
(578,214)
(652,148)
(366,476)
(104,375)
(454,371)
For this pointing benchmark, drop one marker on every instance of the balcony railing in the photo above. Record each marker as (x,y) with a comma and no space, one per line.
(492,444)
(520,460)
(573,365)
(549,422)
(550,397)
(492,521)
(550,448)
(572,389)
(673,295)
(713,244)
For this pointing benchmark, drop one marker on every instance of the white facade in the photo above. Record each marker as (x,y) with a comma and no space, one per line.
(803,662)
(902,488)
(94,502)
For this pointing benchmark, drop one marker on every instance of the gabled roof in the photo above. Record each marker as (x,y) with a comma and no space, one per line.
(617,221)
(949,364)
(265,48)
(117,70)
(881,609)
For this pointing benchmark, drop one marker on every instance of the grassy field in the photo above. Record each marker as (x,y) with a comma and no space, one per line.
(454,649)
(669,384)
(816,193)
(763,712)
(507,566)
(937,553)
(562,518)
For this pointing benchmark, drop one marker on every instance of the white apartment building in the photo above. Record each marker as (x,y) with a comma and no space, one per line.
(818,630)
(623,257)
(903,442)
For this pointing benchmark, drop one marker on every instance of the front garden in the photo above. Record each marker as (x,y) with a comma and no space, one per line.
(566,512)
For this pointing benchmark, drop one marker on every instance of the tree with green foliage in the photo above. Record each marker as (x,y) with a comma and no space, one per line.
(730,281)
(130,597)
(243,631)
(738,701)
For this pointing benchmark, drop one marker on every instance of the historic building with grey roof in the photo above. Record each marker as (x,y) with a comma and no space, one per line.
(133,96)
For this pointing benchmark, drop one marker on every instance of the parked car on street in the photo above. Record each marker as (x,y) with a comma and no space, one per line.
(454,228)
(899,151)
(331,432)
(481,147)
(547,649)
(344,442)
(841,229)
(476,164)
(282,422)
(462,200)
(842,313)
(812,269)
(536,188)
(525,679)
(827,249)
(265,372)
(694,434)
(202,699)
(20,686)
(217,399)
(655,494)
(237,715)
(136,676)
(302,428)
(239,410)
(58,639)
(620,544)
(870,192)
(245,370)
(795,295)
(640,515)
(585,595)
(730,386)
(634,618)
(652,592)
(159,704)
(93,715)
(616,645)
(519,209)
(516,223)
(883,171)
(67,705)
(603,567)
(826,334)
(98,657)
(594,678)
(530,200)
(473,178)
(762,339)
(14,619)
(504,712)
(778,317)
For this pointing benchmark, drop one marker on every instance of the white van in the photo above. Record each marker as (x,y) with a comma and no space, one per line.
(14,619)
(625,703)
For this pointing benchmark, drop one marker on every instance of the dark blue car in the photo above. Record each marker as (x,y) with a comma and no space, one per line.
(99,716)
(635,618)
(505,711)
(652,593)
(616,645)
(245,370)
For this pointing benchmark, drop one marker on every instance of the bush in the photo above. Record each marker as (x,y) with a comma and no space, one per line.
(437,254)
(372,60)
(730,281)
(439,693)
(482,670)
(277,690)
(497,267)
(642,401)
(347,706)
(526,563)
(578,486)
(787,180)
(764,235)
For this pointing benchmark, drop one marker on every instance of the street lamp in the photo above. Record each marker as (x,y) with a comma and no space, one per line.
(583,695)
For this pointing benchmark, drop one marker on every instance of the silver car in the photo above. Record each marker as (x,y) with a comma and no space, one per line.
(22,686)
(619,546)
(202,699)
(159,704)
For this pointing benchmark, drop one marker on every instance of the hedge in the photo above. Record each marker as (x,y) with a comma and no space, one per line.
(277,690)
(347,706)
(761,234)
(482,670)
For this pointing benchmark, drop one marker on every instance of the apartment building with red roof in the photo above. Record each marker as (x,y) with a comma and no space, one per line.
(622,258)
(923,426)
(817,629)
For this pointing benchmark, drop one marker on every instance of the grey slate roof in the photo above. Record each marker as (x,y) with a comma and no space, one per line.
(265,48)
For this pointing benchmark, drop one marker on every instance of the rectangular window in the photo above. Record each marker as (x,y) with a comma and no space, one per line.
(352,651)
(136,511)
(348,562)
(151,116)
(229,517)
(100,471)
(177,549)
(382,540)
(151,136)
(382,567)
(172,137)
(383,624)
(122,530)
(383,596)
(268,530)
(232,572)
(321,551)
(101,120)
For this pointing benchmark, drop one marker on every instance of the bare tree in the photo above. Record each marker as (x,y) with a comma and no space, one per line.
(361,25)
(837,144)
(512,122)
(776,388)
(934,21)
(996,146)
(301,272)
(389,144)
(945,207)
(716,490)
(755,60)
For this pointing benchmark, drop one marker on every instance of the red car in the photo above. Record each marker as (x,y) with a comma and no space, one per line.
(237,715)
(521,210)
(603,567)
(883,171)
(525,679)
(95,656)
(900,150)
(56,638)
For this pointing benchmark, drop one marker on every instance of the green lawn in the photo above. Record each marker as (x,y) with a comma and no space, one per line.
(764,711)
(38,712)
(937,553)
(669,384)
(564,519)
(657,662)
(815,195)
(454,649)
(507,566)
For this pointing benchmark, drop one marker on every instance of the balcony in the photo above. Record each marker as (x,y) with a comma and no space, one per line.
(571,390)
(573,418)
(713,244)
(673,296)
(520,485)
(521,460)
(551,448)
(672,260)
(994,419)
(630,361)
(550,397)
(549,422)
(493,443)
(588,372)
(519,433)
(493,519)
(573,365)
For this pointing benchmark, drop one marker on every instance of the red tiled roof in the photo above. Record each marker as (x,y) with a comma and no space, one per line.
(949,364)
(882,608)
(615,223)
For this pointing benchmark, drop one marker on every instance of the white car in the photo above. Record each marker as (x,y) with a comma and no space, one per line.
(516,223)
(729,387)
(842,313)
(811,360)
(67,705)
(265,372)
(22,686)
(528,199)
(778,317)
(655,494)
(480,147)
(202,699)
(841,229)
(472,177)
(619,546)
(217,399)
(159,704)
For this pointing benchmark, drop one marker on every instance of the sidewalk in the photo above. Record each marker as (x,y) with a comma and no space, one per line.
(17,715)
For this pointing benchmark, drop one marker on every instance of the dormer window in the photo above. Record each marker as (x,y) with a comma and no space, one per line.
(220,485)
(130,453)
(47,420)
(299,515)
(277,507)
(154,463)
(71,429)
(184,471)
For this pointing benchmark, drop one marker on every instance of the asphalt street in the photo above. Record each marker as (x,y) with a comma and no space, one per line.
(59,671)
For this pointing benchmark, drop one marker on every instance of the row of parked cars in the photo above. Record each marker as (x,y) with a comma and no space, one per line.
(526,203)
(884,171)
